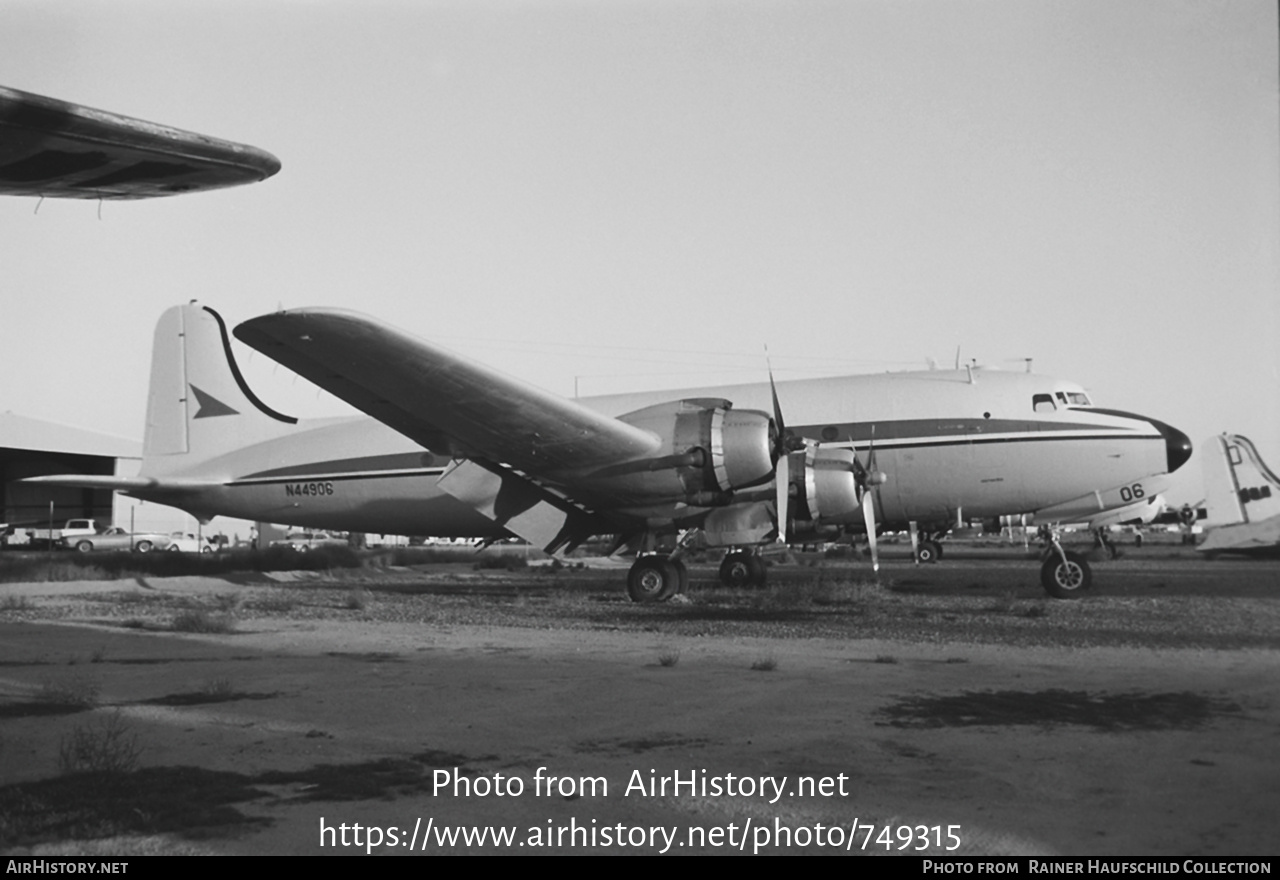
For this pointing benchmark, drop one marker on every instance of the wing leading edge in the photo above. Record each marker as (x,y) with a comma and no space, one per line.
(52,148)
(446,402)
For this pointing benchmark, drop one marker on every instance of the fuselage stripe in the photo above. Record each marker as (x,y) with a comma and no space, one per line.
(333,478)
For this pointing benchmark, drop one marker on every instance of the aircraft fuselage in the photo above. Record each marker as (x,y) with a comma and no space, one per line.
(984,444)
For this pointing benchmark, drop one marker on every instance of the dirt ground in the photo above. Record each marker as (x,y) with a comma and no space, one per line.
(951,702)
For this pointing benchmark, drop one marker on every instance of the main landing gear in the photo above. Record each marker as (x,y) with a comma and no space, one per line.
(928,552)
(742,568)
(926,549)
(656,577)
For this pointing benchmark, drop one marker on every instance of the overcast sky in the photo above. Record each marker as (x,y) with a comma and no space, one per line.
(621,195)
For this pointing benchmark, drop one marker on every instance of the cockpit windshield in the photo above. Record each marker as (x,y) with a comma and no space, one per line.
(1058,400)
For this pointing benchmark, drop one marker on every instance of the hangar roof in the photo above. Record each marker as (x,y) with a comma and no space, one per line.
(20,432)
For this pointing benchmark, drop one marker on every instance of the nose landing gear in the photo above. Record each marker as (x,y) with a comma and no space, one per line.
(1064,575)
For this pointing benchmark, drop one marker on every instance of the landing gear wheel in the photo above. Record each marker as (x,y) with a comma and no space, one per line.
(1065,580)
(742,569)
(929,552)
(681,579)
(653,579)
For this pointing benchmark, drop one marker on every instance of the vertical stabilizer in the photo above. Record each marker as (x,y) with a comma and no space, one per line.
(199,406)
(1239,487)
(166,432)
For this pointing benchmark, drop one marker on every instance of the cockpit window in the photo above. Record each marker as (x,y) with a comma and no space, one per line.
(1077,398)
(1043,403)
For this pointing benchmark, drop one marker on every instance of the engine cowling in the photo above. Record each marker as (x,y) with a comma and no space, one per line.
(828,487)
(709,447)
(741,447)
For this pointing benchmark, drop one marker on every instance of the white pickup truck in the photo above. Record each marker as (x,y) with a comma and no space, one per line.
(73,528)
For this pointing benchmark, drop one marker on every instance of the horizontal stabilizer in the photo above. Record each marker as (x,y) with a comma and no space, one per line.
(55,149)
(148,485)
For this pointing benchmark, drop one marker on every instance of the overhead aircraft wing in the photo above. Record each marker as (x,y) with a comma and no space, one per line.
(448,403)
(53,148)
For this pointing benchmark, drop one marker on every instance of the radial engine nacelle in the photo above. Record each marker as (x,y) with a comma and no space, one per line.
(708,451)
(826,490)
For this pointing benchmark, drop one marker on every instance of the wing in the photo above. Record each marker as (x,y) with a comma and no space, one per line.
(57,149)
(445,402)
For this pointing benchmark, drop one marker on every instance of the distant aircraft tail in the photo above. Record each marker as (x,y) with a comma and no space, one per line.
(199,406)
(1239,487)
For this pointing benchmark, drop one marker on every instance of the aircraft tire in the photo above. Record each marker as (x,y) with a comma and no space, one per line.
(680,582)
(1066,580)
(929,552)
(737,569)
(652,579)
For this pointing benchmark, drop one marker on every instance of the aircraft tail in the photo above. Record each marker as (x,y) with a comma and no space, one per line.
(199,406)
(1239,487)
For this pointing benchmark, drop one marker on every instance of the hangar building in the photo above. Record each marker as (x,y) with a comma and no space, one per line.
(32,448)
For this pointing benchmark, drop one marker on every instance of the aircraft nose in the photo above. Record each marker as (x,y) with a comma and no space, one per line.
(1177,445)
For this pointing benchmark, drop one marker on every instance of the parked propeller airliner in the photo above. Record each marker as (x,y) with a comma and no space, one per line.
(455,449)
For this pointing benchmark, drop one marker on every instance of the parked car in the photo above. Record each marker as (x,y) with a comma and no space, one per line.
(304,541)
(185,542)
(117,538)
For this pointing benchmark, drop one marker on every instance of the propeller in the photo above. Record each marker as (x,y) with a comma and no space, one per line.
(783,445)
(868,477)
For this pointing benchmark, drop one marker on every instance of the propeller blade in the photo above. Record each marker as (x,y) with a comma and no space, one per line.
(780,444)
(869,517)
(782,484)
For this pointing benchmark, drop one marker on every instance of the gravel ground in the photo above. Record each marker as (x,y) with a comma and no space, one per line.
(1139,719)
(1154,602)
